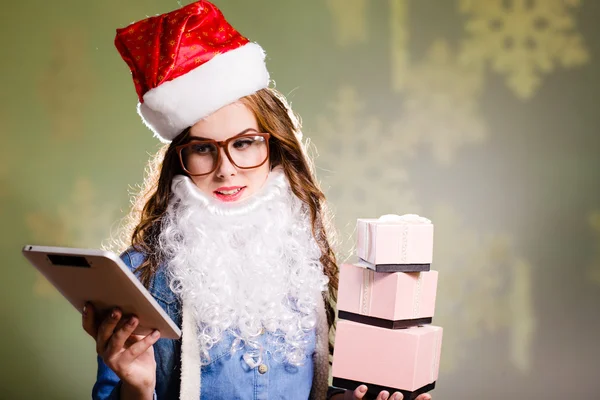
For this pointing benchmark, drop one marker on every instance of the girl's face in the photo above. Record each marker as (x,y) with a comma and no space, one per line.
(227,182)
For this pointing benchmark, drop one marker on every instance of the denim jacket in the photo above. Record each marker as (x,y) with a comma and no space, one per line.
(227,376)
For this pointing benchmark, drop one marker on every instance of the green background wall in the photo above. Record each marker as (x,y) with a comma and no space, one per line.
(481,115)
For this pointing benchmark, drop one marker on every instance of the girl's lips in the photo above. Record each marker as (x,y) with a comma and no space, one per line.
(229,197)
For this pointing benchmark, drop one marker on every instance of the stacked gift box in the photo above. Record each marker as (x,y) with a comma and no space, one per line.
(386,301)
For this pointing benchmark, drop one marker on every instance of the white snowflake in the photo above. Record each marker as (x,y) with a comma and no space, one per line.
(483,288)
(358,174)
(440,107)
(523,39)
(350,21)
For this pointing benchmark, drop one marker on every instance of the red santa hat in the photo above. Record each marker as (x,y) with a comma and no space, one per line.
(188,63)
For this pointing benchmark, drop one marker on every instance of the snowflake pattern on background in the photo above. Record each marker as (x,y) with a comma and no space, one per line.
(523,39)
(440,107)
(594,269)
(350,21)
(399,34)
(480,274)
(81,222)
(355,184)
(496,290)
(66,83)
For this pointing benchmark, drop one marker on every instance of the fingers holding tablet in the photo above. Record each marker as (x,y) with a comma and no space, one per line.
(140,347)
(88,315)
(118,334)
(129,355)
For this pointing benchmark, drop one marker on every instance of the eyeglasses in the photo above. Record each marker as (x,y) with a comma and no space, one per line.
(246,151)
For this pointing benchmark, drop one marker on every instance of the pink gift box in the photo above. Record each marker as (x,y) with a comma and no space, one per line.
(390,300)
(395,243)
(405,360)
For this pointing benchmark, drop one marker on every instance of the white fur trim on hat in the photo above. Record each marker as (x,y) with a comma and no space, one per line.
(175,105)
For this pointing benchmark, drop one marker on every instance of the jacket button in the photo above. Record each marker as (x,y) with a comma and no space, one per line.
(262,368)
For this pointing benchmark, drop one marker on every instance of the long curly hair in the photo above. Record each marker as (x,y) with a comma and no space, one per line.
(274,115)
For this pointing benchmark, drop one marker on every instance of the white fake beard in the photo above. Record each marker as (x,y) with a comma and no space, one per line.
(244,266)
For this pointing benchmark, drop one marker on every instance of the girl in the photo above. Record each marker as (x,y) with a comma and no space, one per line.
(230,234)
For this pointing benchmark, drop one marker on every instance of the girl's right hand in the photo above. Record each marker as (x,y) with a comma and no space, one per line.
(130,357)
(361,391)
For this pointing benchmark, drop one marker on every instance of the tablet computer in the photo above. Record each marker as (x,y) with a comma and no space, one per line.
(101,277)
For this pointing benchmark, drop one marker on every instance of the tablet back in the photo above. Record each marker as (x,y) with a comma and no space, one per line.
(101,278)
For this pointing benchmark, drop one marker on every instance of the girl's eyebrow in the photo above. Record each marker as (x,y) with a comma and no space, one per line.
(241,133)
